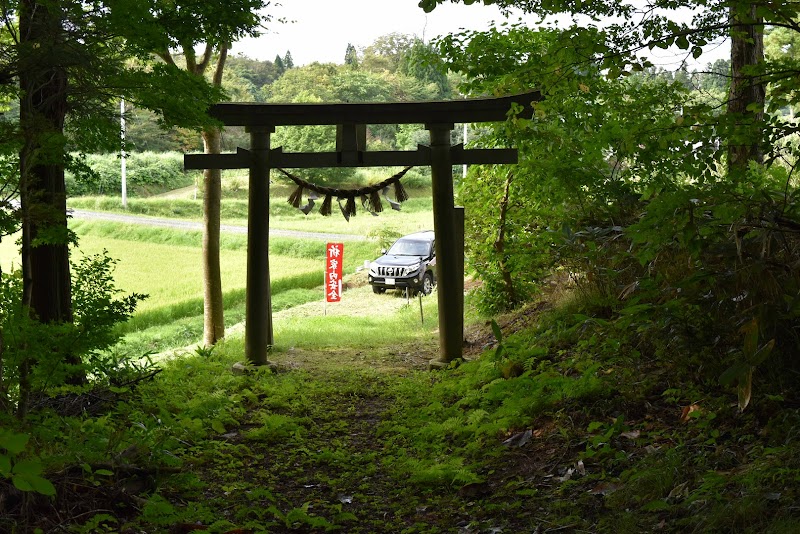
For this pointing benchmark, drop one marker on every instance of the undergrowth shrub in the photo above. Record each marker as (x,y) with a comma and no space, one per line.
(704,268)
(38,359)
(147,173)
(663,239)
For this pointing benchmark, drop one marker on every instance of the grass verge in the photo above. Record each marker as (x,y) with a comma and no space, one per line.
(415,214)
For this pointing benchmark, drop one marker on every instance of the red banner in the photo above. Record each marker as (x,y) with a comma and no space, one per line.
(333,272)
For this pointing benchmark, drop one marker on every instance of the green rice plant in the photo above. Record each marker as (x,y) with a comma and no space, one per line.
(177,208)
(416,213)
(173,274)
(181,325)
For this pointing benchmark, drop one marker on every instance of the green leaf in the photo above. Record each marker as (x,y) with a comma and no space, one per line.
(635,309)
(734,373)
(750,331)
(682,42)
(498,334)
(13,443)
(22,483)
(5,465)
(656,506)
(755,107)
(762,353)
(28,468)
(594,425)
(218,426)
(25,476)
(42,485)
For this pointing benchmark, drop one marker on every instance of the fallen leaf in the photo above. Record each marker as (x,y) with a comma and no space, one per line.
(605,488)
(519,439)
(633,434)
(678,491)
(567,475)
(687,410)
(581,468)
(745,389)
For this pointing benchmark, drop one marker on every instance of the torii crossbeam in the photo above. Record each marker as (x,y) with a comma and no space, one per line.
(439,119)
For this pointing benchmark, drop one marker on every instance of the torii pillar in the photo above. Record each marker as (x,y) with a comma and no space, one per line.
(258,334)
(351,120)
(449,261)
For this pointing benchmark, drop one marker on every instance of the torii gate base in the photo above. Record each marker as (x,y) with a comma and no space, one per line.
(448,221)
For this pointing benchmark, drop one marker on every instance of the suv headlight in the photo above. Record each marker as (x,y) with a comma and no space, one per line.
(413,268)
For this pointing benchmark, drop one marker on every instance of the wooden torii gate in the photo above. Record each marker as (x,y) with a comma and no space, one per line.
(439,119)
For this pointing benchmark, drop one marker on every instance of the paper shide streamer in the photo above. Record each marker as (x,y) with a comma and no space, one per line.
(346,198)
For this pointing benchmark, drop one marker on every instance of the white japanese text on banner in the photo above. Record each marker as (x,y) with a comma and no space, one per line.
(333,272)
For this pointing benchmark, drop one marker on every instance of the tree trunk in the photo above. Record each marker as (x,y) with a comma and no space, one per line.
(747,92)
(4,405)
(500,245)
(43,107)
(213,314)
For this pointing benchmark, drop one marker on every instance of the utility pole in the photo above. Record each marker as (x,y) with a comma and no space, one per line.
(464,172)
(122,153)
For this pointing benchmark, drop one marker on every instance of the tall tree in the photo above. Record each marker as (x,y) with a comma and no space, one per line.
(220,24)
(386,52)
(68,57)
(665,189)
(257,72)
(72,60)
(747,92)
(43,108)
(351,56)
(423,62)
(664,24)
(288,62)
(279,65)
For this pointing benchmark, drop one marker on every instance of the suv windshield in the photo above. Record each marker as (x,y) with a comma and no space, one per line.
(406,247)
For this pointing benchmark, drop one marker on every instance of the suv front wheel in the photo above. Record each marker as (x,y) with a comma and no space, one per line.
(427,284)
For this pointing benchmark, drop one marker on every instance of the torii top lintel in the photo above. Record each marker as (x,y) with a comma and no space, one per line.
(430,112)
(351,118)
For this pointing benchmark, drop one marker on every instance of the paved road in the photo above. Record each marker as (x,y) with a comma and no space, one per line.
(189,225)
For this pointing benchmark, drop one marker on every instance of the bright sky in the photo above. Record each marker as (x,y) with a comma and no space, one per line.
(322,28)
